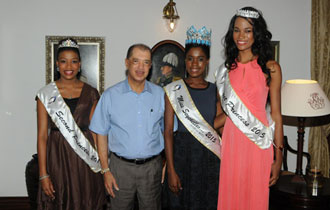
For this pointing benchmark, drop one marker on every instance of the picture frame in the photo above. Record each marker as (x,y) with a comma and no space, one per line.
(167,62)
(92,53)
(276,50)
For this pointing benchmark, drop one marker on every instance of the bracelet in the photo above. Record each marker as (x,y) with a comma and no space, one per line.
(103,171)
(43,177)
(279,147)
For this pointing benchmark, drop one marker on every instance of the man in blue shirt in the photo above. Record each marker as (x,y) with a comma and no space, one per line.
(128,121)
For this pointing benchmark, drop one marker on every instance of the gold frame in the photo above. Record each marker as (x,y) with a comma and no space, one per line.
(276,50)
(99,42)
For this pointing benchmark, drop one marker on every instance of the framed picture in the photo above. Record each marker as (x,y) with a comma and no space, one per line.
(92,52)
(167,62)
(276,51)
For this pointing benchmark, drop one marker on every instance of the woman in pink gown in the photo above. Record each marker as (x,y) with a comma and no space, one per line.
(247,170)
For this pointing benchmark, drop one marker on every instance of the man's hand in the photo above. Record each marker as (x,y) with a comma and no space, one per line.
(110,183)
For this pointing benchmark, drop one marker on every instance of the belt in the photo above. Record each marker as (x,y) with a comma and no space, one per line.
(137,161)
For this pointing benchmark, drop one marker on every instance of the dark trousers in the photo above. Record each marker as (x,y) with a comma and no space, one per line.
(142,181)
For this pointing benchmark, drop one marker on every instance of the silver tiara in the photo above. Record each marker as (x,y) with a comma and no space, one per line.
(247,13)
(68,43)
(202,36)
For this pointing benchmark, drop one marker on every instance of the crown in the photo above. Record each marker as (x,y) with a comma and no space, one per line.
(68,43)
(247,13)
(202,36)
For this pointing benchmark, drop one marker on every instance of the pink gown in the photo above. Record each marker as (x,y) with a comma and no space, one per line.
(245,168)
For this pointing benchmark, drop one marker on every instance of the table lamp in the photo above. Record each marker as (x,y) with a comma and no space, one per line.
(301,99)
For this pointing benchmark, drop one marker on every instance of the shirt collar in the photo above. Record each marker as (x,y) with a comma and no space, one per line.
(127,88)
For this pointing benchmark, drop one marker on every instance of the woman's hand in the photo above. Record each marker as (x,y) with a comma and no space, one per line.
(174,182)
(47,187)
(275,172)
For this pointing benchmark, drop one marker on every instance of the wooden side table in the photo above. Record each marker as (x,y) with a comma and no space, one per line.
(286,195)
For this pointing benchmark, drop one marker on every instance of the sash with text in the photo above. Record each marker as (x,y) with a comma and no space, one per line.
(190,117)
(240,115)
(60,114)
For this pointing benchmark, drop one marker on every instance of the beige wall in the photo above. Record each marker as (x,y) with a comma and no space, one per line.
(25,23)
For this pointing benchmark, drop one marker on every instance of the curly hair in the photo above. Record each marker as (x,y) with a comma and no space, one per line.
(261,46)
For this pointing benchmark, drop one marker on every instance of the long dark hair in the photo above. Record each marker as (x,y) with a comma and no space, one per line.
(261,46)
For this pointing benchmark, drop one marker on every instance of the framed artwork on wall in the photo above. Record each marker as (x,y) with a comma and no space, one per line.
(92,53)
(276,50)
(167,62)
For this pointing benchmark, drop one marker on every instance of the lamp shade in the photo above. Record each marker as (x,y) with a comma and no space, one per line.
(304,98)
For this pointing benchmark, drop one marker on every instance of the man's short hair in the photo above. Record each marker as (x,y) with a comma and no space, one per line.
(140,46)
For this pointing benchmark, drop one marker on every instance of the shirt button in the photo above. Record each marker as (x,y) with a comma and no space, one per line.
(139,112)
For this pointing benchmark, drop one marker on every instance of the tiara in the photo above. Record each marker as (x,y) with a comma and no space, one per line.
(202,36)
(247,13)
(68,43)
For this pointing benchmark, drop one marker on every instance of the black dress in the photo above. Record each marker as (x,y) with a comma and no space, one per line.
(196,166)
(76,186)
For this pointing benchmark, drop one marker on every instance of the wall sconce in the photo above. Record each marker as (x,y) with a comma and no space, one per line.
(170,15)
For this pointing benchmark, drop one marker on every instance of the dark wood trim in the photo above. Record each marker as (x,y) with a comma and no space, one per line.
(14,203)
(288,195)
(287,148)
(329,148)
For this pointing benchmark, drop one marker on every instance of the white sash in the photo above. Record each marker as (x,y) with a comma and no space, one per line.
(190,117)
(63,119)
(240,115)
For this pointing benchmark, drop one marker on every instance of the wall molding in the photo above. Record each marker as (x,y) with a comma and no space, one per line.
(14,203)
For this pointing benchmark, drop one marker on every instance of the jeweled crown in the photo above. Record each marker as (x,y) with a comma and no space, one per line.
(247,13)
(68,43)
(202,36)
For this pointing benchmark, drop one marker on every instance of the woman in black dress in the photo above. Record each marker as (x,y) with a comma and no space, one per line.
(192,169)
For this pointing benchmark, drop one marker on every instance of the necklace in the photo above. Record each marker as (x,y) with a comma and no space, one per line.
(72,90)
(69,91)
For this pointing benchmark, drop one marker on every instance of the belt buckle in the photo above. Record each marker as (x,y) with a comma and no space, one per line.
(139,161)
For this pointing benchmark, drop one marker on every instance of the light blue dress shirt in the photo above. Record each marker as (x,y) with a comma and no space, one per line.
(133,122)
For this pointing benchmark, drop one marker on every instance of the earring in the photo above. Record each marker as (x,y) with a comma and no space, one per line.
(206,72)
(57,69)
